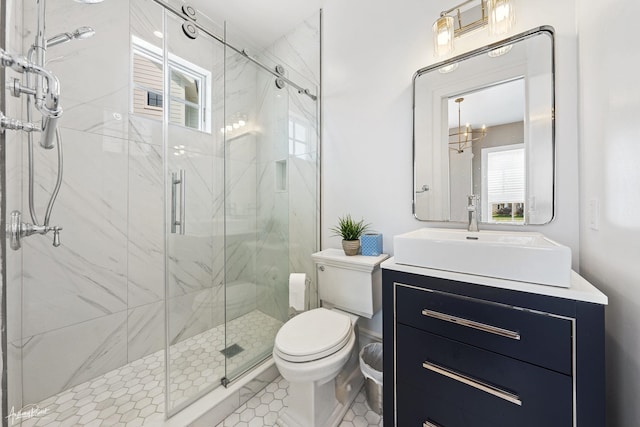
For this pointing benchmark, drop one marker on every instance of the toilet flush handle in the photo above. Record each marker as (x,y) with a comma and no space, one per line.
(321,267)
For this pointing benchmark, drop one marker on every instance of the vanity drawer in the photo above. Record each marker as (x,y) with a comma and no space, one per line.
(452,384)
(533,337)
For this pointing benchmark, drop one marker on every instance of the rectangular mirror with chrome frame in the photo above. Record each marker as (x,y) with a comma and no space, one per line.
(483,125)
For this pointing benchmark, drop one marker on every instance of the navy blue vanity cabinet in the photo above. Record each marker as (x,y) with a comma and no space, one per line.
(460,354)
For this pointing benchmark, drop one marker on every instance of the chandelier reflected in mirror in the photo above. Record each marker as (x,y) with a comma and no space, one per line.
(464,136)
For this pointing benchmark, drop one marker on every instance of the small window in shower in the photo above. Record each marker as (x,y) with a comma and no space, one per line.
(189,89)
(186,101)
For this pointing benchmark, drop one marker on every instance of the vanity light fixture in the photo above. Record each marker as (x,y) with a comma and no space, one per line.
(464,137)
(499,15)
(443,34)
(502,16)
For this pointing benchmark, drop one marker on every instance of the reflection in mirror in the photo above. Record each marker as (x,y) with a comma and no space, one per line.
(483,125)
(486,154)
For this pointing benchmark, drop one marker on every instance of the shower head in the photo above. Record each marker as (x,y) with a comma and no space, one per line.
(84,33)
(80,33)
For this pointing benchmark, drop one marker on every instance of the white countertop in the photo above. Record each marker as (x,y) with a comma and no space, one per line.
(580,289)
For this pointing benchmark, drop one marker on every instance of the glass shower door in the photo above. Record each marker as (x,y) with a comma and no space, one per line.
(257,212)
(193,93)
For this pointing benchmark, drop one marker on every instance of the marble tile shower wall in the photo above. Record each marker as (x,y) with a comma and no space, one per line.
(286,212)
(272,251)
(97,302)
(75,298)
(241,178)
(299,52)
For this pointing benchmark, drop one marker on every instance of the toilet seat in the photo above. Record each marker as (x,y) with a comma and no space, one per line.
(313,335)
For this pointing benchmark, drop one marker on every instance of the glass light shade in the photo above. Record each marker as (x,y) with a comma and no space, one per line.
(443,36)
(502,16)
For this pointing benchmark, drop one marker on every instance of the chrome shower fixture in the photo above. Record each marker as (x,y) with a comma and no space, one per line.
(47,97)
(42,90)
(80,34)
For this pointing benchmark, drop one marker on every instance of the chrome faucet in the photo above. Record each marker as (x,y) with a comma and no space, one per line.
(472,208)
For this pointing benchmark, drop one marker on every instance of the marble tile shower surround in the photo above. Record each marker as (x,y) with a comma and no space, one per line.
(107,279)
(299,52)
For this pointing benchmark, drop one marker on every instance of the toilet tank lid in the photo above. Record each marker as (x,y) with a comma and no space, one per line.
(339,258)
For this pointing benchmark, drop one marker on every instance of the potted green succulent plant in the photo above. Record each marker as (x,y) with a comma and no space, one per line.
(350,231)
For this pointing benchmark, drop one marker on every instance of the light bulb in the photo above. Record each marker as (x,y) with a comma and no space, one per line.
(443,36)
(501,16)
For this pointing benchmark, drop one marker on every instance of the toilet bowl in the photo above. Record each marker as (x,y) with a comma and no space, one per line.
(316,351)
(310,350)
(314,346)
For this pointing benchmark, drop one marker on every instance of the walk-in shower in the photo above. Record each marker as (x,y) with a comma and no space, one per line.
(189,193)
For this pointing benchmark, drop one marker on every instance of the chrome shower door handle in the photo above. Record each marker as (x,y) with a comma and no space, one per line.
(178,218)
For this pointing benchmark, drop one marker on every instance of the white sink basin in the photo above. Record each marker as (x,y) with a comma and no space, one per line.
(522,256)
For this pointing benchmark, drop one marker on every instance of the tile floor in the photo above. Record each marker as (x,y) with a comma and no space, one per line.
(133,395)
(263,408)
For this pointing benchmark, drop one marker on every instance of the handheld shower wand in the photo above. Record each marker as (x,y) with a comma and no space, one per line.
(80,34)
(45,96)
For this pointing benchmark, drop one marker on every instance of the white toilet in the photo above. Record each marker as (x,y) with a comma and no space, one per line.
(316,350)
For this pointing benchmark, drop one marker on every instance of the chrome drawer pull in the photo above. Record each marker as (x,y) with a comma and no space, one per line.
(471,324)
(429,424)
(505,395)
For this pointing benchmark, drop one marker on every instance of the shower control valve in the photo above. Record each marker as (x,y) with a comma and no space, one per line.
(16,230)
(56,236)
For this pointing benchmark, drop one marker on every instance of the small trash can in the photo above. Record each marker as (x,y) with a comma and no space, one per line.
(371,366)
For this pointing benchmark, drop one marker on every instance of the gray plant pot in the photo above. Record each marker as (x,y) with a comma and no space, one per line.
(351,247)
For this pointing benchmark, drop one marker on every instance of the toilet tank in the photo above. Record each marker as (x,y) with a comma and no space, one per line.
(350,283)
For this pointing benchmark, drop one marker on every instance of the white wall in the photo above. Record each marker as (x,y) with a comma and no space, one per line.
(370,51)
(610,175)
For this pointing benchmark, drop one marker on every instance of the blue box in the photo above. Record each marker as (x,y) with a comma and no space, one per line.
(371,244)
